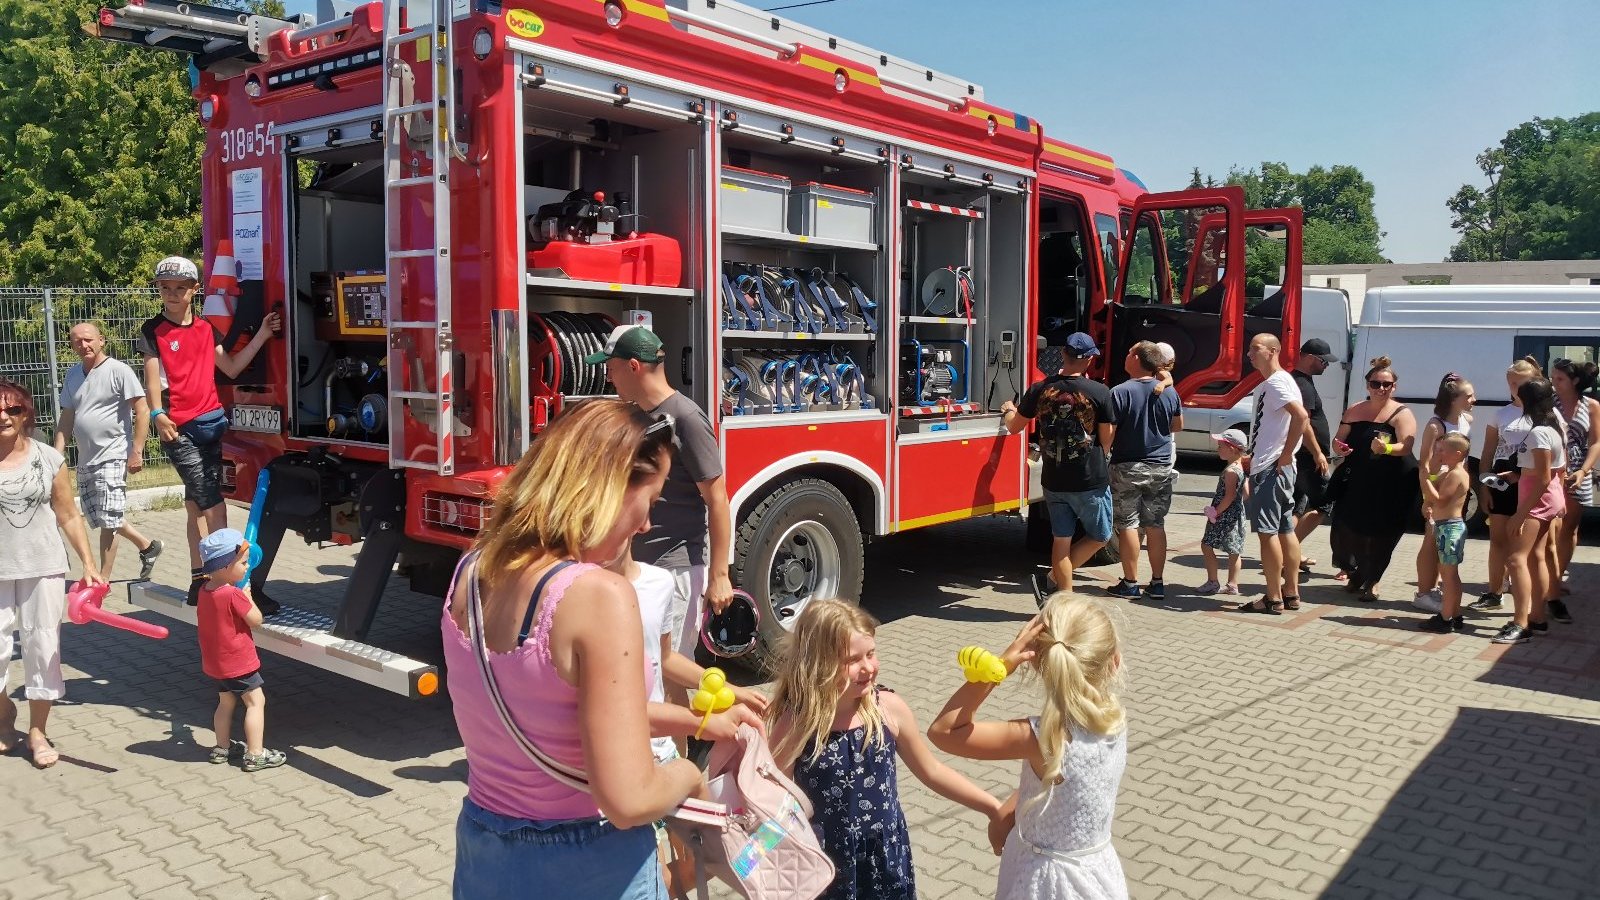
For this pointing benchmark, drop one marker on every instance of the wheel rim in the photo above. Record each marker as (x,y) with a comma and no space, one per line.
(805,566)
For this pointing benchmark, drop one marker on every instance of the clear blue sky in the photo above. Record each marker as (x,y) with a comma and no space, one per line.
(1410,91)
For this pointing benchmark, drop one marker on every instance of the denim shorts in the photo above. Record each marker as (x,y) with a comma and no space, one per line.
(578,859)
(197,457)
(1069,508)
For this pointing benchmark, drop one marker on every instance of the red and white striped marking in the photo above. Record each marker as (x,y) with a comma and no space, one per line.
(941,409)
(947,210)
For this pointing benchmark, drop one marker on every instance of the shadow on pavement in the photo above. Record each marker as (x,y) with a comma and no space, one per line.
(1503,806)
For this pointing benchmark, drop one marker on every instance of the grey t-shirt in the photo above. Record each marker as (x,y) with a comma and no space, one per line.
(102,421)
(30,543)
(677,535)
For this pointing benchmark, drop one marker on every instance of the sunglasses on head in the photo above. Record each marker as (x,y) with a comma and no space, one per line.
(1379,385)
(13,411)
(662,423)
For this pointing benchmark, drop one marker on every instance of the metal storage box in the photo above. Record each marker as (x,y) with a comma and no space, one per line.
(832,212)
(752,199)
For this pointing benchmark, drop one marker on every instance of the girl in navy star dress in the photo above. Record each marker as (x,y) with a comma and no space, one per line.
(837,733)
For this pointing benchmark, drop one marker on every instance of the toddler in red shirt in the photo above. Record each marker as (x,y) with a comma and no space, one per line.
(228,652)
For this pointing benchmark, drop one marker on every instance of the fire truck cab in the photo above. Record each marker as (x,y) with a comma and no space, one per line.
(854,261)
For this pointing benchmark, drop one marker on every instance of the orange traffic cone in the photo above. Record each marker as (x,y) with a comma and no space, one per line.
(222,281)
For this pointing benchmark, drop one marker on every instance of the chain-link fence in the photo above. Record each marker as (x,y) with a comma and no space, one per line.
(35,324)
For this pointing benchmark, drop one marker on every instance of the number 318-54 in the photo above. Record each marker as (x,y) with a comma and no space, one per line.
(243,143)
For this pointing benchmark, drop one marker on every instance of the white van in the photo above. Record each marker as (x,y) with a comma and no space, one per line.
(1475,331)
(1324,313)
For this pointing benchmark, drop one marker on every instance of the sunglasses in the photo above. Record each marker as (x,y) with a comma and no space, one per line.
(13,411)
(662,423)
(1380,385)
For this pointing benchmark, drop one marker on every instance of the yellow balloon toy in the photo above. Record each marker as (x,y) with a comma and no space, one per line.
(979,665)
(714,696)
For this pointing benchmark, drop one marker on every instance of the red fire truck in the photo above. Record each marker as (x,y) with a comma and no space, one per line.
(854,259)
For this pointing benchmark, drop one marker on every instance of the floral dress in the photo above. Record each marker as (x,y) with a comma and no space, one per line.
(1226,534)
(856,813)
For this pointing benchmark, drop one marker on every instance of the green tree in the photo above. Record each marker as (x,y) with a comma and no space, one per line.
(1542,198)
(1341,225)
(100,152)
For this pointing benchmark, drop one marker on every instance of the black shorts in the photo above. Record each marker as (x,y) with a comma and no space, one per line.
(241,685)
(197,457)
(1310,487)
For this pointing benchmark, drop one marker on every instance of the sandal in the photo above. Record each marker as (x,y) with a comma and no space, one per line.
(1306,564)
(1266,607)
(1291,603)
(1368,597)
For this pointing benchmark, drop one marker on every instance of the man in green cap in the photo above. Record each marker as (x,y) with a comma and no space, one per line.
(691,529)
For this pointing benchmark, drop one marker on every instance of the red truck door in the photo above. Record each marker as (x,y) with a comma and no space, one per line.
(1183,284)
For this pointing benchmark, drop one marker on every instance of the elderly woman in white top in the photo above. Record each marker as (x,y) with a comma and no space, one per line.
(37,503)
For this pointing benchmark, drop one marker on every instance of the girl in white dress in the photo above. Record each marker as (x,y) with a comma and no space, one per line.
(1056,828)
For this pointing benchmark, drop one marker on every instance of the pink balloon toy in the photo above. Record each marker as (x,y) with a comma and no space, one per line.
(83,607)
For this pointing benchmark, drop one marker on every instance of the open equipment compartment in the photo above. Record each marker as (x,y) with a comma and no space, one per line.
(611,226)
(339,317)
(801,273)
(963,289)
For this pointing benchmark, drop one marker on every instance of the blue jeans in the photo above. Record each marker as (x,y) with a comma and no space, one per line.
(1068,508)
(580,859)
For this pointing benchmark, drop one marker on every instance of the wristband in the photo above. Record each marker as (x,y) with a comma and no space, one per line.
(979,665)
(157,413)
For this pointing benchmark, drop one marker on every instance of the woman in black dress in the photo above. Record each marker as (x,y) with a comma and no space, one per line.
(1376,486)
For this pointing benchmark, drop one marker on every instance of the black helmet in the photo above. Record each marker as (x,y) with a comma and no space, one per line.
(735,631)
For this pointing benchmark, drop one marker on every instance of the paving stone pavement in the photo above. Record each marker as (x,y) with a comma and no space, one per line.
(1334,753)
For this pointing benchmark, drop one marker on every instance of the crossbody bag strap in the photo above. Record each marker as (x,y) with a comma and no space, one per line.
(700,812)
(568,776)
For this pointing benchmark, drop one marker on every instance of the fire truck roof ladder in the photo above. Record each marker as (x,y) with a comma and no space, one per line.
(220,39)
(410,325)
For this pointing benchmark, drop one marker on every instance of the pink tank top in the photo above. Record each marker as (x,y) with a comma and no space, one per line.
(500,777)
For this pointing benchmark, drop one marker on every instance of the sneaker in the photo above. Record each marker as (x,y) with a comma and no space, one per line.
(1231,590)
(147,560)
(1042,588)
(1489,602)
(1558,611)
(267,759)
(1512,633)
(1539,627)
(1155,590)
(233,752)
(1440,625)
(1428,601)
(1125,589)
(1209,588)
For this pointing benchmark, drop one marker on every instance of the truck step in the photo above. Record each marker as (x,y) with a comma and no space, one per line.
(302,634)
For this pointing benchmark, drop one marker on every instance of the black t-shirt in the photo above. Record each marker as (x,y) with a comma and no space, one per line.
(1069,410)
(1312,401)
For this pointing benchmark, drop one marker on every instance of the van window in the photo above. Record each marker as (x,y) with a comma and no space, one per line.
(1548,349)
(1107,231)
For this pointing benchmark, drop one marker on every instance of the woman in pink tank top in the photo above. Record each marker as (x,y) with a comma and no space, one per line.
(567,654)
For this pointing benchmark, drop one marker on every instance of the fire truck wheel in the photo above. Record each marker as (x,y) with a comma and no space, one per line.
(801,543)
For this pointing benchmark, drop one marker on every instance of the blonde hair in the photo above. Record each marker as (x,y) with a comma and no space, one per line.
(808,689)
(1526,367)
(1079,660)
(1457,441)
(566,492)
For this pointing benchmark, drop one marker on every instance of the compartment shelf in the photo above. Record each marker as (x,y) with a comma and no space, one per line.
(730,333)
(741,235)
(592,288)
(809,417)
(954,409)
(937,320)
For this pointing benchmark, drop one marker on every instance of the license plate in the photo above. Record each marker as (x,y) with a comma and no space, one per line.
(264,419)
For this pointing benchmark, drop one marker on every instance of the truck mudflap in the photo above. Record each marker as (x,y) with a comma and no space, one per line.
(304,635)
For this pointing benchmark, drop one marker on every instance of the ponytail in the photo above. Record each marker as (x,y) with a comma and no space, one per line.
(1079,661)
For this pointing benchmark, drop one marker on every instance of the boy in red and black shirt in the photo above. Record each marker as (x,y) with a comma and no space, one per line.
(225,617)
(182,353)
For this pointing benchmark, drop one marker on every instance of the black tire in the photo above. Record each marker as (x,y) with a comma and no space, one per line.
(782,558)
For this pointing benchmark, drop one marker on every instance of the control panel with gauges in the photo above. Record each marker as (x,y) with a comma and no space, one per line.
(350,305)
